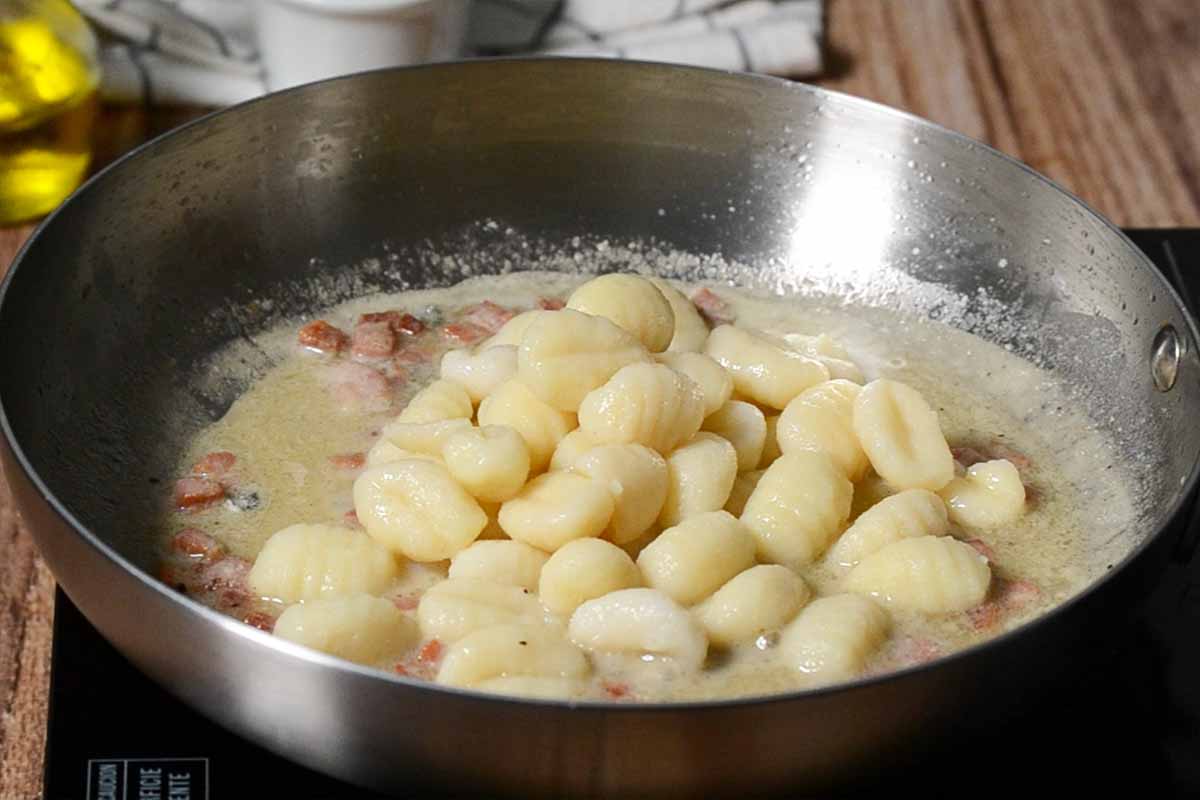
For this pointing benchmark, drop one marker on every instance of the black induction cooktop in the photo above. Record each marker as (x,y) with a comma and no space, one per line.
(1130,722)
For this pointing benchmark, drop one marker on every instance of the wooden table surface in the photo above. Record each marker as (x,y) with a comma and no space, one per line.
(1097,94)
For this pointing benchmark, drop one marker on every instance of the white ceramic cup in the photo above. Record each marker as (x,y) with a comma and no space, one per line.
(307,40)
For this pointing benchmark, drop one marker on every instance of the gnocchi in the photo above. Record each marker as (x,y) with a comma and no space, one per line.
(307,562)
(571,447)
(713,379)
(821,419)
(500,561)
(692,560)
(567,354)
(555,508)
(423,438)
(440,400)
(456,607)
(385,452)
(360,628)
(540,425)
(648,404)
(589,502)
(831,639)
(584,569)
(744,426)
(511,651)
(492,462)
(416,508)
(690,329)
(989,495)
(636,477)
(638,623)
(797,508)
(758,600)
(482,372)
(762,371)
(930,574)
(901,436)
(513,331)
(908,514)
(700,476)
(824,349)
(630,302)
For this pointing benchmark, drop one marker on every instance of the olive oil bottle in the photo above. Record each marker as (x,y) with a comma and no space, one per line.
(48,79)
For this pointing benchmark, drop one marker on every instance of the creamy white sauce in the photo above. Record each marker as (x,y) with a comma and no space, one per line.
(284,429)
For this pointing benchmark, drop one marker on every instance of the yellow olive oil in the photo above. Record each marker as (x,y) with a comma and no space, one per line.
(48,78)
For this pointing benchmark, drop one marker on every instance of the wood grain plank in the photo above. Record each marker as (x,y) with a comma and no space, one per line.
(1080,114)
(925,57)
(26,616)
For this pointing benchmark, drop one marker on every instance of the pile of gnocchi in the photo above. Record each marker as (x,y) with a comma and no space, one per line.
(616,496)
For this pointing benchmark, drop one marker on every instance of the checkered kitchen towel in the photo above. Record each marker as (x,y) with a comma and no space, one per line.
(202,52)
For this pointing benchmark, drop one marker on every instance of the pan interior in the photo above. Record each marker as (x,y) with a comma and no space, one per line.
(134,318)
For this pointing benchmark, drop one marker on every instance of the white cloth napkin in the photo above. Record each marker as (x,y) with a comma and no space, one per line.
(202,52)
(753,36)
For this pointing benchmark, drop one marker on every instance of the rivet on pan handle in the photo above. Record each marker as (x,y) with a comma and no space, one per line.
(1165,355)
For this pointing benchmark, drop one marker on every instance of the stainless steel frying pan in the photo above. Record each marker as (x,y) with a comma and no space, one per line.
(416,177)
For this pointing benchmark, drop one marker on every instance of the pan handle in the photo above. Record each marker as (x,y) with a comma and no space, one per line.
(1167,247)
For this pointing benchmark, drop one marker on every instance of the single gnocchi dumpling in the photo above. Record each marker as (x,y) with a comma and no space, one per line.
(713,379)
(306,562)
(693,559)
(700,476)
(582,570)
(424,438)
(906,515)
(639,623)
(691,330)
(636,477)
(991,494)
(511,651)
(500,561)
(902,437)
(797,508)
(756,601)
(629,302)
(414,507)
(930,574)
(555,508)
(360,628)
(440,400)
(491,462)
(571,448)
(744,426)
(513,331)
(541,426)
(831,639)
(458,606)
(566,354)
(480,373)
(648,404)
(743,486)
(823,348)
(762,371)
(821,419)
